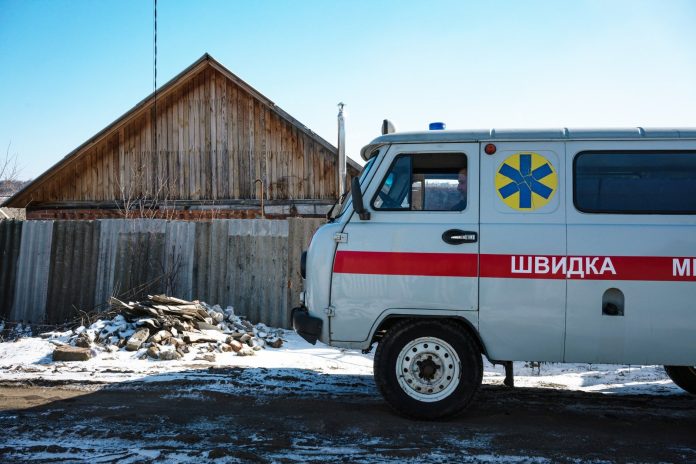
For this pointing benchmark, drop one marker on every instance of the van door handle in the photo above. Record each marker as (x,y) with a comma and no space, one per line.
(457,236)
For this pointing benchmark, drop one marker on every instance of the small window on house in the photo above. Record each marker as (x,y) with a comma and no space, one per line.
(424,182)
(635,182)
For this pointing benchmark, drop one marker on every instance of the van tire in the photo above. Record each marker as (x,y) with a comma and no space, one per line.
(683,376)
(447,397)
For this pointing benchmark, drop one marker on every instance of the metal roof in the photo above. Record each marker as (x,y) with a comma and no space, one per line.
(477,135)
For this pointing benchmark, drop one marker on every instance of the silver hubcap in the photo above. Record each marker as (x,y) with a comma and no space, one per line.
(428,369)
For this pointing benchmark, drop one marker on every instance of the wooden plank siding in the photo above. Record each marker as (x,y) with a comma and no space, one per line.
(212,139)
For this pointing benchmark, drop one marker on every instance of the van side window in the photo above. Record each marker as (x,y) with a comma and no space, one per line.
(424,182)
(636,182)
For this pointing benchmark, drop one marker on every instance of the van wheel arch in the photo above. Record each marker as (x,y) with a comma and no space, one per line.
(390,321)
(683,376)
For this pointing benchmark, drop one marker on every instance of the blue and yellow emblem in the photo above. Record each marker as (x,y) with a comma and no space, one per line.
(526,181)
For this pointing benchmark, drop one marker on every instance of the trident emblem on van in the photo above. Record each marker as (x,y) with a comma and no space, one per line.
(526,181)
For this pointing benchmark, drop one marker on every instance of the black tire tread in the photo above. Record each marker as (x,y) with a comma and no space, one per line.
(683,376)
(391,392)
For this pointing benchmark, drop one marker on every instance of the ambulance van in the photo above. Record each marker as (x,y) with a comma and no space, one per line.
(518,245)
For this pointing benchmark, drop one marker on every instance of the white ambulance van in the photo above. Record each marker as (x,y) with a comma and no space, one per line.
(520,245)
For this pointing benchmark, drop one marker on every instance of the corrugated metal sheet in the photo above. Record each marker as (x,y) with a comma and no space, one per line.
(140,261)
(109,232)
(243,263)
(73,270)
(258,255)
(51,270)
(10,239)
(178,248)
(300,231)
(31,286)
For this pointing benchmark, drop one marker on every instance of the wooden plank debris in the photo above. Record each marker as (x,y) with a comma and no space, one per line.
(167,328)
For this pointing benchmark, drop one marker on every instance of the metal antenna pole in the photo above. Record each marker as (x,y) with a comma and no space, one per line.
(154,82)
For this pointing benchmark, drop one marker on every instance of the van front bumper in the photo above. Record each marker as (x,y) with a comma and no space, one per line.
(308,327)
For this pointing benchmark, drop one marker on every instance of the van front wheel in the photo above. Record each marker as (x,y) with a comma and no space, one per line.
(428,369)
(683,376)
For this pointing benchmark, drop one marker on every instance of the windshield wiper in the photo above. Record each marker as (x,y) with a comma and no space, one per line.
(338,201)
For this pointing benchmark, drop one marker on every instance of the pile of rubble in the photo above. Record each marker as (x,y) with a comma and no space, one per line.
(166,328)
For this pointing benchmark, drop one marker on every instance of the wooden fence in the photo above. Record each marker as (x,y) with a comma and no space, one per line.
(50,271)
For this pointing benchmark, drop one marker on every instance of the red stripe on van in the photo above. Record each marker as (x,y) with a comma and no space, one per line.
(413,264)
(500,266)
(648,268)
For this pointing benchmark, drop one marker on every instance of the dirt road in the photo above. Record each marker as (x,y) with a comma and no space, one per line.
(187,421)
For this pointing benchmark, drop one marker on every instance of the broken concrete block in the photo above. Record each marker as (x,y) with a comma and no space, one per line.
(245,338)
(206,326)
(71,353)
(225,348)
(83,341)
(246,351)
(237,335)
(169,355)
(235,345)
(137,339)
(191,337)
(153,352)
(160,336)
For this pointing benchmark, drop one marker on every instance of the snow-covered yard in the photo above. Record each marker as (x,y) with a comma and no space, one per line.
(303,403)
(30,359)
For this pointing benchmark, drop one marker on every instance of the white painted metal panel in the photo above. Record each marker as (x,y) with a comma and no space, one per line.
(521,318)
(361,296)
(659,316)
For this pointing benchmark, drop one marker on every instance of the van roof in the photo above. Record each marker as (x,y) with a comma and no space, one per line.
(444,136)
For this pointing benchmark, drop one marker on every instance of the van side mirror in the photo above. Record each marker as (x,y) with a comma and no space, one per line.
(356,194)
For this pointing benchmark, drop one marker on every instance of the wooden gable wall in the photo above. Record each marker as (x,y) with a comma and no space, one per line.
(213,140)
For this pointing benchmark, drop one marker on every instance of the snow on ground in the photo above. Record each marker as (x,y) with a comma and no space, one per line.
(29,359)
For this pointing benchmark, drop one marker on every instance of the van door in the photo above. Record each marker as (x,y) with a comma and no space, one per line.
(633,216)
(418,252)
(523,246)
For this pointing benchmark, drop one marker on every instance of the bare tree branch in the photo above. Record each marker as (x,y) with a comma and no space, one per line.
(8,167)
(9,173)
(136,198)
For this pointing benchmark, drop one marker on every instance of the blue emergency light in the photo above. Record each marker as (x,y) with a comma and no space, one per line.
(437,126)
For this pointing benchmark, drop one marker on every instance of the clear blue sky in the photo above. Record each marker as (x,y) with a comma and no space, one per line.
(70,68)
